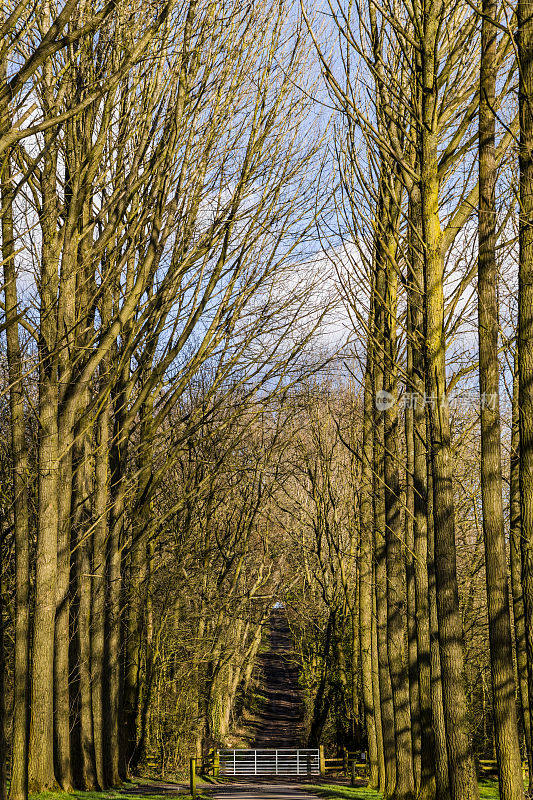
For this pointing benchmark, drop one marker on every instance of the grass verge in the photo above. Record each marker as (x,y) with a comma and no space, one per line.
(132,790)
(488,790)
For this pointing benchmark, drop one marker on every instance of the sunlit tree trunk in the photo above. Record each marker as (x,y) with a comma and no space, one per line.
(100,535)
(138,589)
(442,778)
(62,743)
(83,565)
(375,685)
(412,642)
(20,471)
(395,557)
(41,773)
(525,321)
(3,744)
(462,773)
(516,577)
(380,548)
(502,671)
(84,530)
(416,387)
(112,705)
(365,570)
(66,324)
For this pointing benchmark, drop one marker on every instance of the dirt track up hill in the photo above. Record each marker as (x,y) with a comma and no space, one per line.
(279,717)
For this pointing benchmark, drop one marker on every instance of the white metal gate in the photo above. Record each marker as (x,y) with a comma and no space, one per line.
(284,761)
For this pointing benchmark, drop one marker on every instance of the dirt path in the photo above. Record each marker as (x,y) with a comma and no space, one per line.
(270,788)
(256,791)
(278,715)
(278,721)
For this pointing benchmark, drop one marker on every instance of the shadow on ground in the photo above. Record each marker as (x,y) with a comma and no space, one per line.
(278,718)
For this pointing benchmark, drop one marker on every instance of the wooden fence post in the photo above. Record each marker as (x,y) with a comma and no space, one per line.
(192,777)
(322,761)
(216,764)
(354,773)
(345,761)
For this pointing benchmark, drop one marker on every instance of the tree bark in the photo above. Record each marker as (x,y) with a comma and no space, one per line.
(41,775)
(395,555)
(112,708)
(41,751)
(82,541)
(442,778)
(18,787)
(365,571)
(375,687)
(3,748)
(462,773)
(516,578)
(412,634)
(525,321)
(101,504)
(415,288)
(62,744)
(380,549)
(502,671)
(137,590)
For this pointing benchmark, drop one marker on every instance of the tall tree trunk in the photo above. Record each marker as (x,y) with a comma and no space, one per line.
(137,589)
(375,686)
(462,773)
(365,571)
(19,450)
(146,699)
(113,710)
(3,748)
(82,517)
(112,707)
(134,644)
(41,774)
(82,540)
(395,556)
(102,499)
(461,767)
(502,671)
(525,321)
(412,643)
(380,549)
(101,503)
(415,288)
(41,751)
(442,777)
(516,578)
(66,325)
(62,744)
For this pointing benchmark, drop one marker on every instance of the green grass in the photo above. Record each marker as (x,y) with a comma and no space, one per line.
(332,790)
(488,791)
(115,794)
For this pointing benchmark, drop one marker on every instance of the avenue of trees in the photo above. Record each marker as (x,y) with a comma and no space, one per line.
(266,336)
(155,195)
